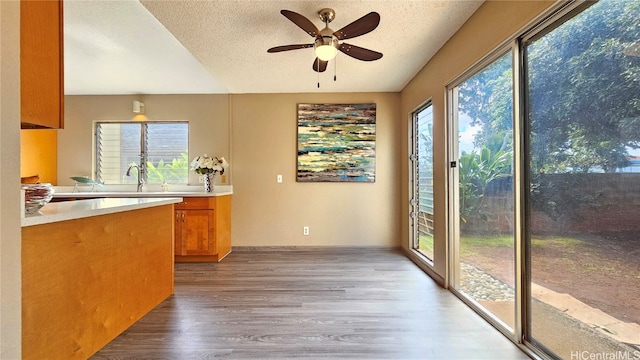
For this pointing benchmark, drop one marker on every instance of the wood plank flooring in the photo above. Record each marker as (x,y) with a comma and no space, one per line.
(310,303)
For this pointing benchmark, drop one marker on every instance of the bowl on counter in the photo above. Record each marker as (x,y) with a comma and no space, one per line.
(36,196)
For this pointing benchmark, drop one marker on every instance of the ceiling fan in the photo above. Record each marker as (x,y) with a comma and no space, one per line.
(327,42)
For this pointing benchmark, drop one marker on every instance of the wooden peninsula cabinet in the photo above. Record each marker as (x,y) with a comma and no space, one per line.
(41,64)
(203,229)
(90,269)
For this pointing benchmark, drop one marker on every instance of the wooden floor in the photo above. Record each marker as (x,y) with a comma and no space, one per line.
(310,303)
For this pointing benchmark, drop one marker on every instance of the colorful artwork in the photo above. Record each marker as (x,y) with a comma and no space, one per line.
(336,142)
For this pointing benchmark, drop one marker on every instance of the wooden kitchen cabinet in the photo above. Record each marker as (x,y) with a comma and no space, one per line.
(41,64)
(203,229)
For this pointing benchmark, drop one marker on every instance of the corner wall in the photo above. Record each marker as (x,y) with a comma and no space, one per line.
(10,236)
(493,23)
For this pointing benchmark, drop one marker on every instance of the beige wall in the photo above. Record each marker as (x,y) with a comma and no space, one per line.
(264,144)
(10,282)
(493,23)
(258,135)
(208,117)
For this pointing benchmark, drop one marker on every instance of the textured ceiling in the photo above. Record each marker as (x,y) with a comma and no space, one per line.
(173,47)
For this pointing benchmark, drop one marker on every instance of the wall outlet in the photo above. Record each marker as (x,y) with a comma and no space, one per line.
(201,179)
(305,230)
(279,179)
(223,179)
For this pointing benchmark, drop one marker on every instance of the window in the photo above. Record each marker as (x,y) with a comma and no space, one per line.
(159,149)
(423,180)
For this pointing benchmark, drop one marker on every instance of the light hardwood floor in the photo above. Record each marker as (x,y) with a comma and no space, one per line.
(323,303)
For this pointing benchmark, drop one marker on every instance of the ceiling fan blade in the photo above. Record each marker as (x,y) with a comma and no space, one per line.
(359,52)
(359,27)
(289,47)
(319,65)
(302,22)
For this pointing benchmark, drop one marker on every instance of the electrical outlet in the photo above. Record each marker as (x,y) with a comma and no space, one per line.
(223,179)
(201,179)
(305,230)
(279,179)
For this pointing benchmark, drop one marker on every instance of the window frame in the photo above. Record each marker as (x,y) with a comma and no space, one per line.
(143,156)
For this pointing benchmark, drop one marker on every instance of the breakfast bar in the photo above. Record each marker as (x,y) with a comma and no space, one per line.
(90,269)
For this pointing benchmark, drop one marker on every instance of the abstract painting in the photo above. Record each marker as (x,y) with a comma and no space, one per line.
(336,142)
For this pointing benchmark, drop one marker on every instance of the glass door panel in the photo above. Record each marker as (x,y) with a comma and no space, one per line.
(583,109)
(484,267)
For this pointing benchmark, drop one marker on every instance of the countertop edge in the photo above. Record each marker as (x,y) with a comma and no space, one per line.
(70,210)
(126,194)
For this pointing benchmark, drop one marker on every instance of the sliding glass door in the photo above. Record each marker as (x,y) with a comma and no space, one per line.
(565,279)
(583,116)
(543,200)
(483,192)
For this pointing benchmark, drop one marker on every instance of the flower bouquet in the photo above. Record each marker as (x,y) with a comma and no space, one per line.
(208,166)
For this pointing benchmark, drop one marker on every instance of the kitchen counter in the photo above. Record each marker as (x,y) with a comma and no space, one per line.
(69,210)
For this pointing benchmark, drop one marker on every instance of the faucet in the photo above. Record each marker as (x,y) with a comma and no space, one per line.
(140,179)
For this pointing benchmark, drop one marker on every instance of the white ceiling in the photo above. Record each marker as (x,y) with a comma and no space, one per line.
(196,46)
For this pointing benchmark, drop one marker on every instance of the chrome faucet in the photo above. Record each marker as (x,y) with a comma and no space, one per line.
(140,178)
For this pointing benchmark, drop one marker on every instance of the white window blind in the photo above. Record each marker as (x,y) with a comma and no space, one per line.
(159,148)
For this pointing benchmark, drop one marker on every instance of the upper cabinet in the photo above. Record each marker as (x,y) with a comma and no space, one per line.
(41,64)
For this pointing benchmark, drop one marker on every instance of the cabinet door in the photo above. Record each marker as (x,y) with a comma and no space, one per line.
(197,237)
(41,64)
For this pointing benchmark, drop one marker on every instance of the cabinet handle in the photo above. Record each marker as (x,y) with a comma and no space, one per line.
(183,216)
(177,216)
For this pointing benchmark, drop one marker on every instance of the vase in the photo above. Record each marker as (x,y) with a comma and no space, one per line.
(209,182)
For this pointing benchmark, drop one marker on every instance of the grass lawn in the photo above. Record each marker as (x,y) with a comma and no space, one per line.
(425,244)
(470,244)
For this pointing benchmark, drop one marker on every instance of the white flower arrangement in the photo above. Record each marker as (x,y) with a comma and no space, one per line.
(208,165)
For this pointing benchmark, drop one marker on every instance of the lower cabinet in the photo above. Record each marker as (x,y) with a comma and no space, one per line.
(203,229)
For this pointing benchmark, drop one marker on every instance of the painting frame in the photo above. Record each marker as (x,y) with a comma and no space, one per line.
(336,142)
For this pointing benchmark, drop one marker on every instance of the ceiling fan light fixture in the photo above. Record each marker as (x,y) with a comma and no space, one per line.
(326,52)
(326,48)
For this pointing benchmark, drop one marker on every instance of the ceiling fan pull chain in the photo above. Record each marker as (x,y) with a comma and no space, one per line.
(335,68)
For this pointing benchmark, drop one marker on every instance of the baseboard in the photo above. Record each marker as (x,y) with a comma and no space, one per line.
(310,248)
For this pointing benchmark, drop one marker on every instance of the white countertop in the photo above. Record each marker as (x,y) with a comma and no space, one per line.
(69,210)
(129,191)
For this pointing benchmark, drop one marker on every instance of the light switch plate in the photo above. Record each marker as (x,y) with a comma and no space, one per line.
(279,179)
